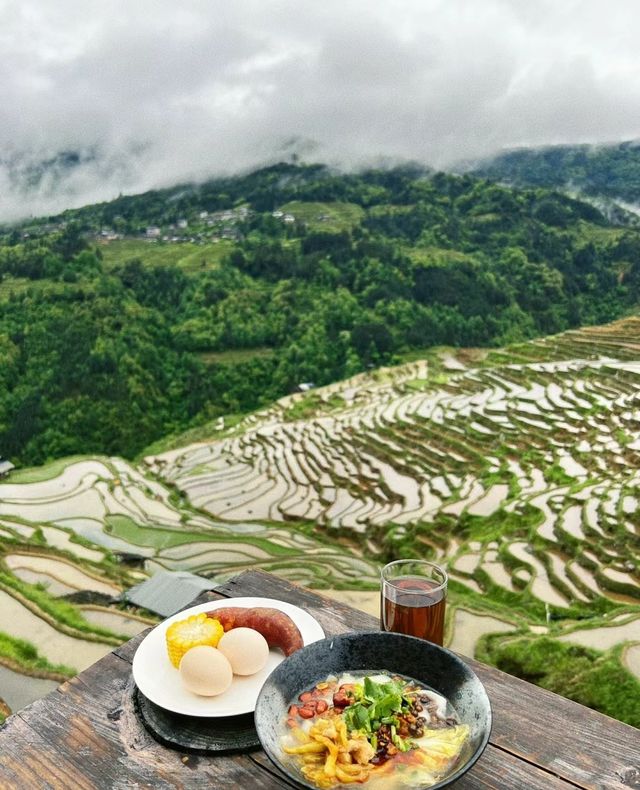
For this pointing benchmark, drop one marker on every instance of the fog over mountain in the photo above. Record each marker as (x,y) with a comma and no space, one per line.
(98,99)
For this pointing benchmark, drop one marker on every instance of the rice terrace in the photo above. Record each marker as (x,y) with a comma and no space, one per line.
(519,469)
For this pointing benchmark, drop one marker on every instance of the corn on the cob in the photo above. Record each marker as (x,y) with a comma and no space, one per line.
(198,629)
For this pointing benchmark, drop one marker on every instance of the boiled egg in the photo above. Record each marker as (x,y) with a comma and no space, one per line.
(206,671)
(246,649)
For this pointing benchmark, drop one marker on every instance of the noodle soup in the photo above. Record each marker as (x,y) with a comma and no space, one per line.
(373,728)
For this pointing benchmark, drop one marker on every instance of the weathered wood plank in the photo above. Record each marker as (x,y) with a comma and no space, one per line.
(263,763)
(497,770)
(90,731)
(334,617)
(593,750)
(28,760)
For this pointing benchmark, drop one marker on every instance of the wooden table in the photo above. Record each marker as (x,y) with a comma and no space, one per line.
(86,734)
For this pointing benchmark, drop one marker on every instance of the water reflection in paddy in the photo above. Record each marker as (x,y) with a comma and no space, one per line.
(19,690)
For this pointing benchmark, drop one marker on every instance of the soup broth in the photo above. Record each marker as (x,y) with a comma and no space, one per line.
(374,728)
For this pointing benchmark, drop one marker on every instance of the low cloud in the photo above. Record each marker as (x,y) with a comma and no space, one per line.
(123,97)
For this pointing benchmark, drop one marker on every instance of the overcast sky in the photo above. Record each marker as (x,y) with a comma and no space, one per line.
(153,92)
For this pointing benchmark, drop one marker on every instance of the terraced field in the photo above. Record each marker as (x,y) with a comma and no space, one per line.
(545,452)
(114,507)
(520,470)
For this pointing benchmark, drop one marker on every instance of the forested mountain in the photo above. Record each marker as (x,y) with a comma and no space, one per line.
(126,321)
(609,171)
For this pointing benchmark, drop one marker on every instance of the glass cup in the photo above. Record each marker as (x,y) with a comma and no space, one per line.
(413,594)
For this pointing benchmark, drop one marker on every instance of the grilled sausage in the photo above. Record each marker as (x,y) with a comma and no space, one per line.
(275,626)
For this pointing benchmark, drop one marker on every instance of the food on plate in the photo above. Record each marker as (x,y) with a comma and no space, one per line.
(209,648)
(198,629)
(246,650)
(206,671)
(275,626)
(383,730)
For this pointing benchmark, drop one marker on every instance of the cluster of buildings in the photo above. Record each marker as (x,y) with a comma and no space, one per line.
(288,219)
(5,467)
(206,227)
(225,222)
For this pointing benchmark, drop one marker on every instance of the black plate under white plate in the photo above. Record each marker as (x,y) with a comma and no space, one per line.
(196,734)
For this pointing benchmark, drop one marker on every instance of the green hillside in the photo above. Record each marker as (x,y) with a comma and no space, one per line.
(189,257)
(214,299)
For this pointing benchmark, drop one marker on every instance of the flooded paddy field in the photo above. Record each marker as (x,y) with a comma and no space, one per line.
(57,647)
(19,690)
(468,627)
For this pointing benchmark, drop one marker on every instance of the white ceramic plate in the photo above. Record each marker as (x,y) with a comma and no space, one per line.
(160,682)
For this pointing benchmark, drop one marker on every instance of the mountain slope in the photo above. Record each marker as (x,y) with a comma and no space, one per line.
(537,440)
(605,171)
(216,299)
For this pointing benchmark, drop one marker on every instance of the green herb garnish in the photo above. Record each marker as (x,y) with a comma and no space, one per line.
(377,704)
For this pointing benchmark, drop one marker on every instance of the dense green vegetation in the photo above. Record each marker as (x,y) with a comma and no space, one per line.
(591,677)
(611,171)
(106,348)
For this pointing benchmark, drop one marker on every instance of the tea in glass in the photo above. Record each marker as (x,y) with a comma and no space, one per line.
(413,595)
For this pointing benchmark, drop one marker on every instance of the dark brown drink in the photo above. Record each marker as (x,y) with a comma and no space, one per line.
(414,606)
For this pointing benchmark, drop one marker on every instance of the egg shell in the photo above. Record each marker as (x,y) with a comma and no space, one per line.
(204,670)
(246,649)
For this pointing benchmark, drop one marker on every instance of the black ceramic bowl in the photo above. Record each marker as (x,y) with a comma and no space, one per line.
(427,663)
